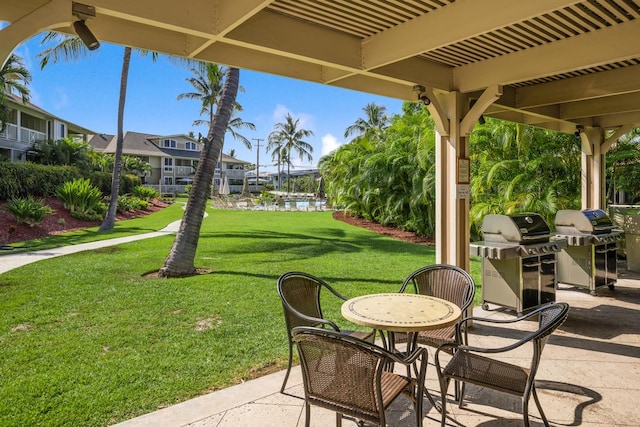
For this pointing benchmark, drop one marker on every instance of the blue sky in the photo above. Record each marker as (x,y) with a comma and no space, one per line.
(86,93)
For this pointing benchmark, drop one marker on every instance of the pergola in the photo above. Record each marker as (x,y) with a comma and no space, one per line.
(570,66)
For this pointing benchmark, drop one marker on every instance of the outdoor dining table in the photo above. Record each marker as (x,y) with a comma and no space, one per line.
(401,312)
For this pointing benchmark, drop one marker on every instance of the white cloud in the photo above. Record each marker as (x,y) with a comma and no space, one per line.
(329,144)
(280,113)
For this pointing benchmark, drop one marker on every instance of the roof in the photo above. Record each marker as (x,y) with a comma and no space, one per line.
(142,144)
(552,63)
(17,102)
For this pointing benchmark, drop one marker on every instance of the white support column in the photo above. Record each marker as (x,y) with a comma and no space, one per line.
(593,169)
(452,212)
(454,122)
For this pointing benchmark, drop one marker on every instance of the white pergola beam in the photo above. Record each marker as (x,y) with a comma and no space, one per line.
(583,51)
(604,83)
(443,27)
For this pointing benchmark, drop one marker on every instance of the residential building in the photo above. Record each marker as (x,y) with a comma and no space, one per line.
(28,123)
(173,159)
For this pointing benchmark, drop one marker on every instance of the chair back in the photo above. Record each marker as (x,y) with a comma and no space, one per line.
(342,373)
(300,296)
(444,281)
(550,317)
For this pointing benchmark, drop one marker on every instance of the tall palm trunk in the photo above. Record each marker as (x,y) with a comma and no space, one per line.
(181,259)
(110,219)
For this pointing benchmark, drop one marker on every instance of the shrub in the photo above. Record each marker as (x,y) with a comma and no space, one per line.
(128,182)
(19,180)
(145,193)
(82,199)
(129,203)
(29,211)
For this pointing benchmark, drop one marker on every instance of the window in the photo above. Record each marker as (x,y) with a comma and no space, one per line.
(169,143)
(63,132)
(191,146)
(168,180)
(168,164)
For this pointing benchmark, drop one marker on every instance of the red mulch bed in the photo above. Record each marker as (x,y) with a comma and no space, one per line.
(394,233)
(12,232)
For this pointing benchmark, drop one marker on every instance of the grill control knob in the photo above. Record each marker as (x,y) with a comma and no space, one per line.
(532,251)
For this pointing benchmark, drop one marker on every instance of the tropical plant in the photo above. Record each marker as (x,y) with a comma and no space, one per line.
(387,179)
(29,210)
(288,139)
(275,145)
(14,77)
(145,193)
(82,199)
(208,84)
(181,258)
(65,151)
(623,169)
(372,126)
(520,168)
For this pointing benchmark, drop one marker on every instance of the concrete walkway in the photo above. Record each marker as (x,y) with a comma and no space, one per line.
(589,376)
(9,262)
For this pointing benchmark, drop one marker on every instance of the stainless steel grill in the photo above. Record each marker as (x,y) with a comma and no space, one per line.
(590,259)
(518,261)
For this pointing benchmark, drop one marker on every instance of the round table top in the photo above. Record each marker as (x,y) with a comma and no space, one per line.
(401,312)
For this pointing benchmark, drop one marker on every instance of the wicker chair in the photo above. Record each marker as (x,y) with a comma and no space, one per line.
(468,365)
(447,282)
(300,296)
(347,375)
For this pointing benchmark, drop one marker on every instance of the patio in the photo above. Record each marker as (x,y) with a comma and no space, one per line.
(589,376)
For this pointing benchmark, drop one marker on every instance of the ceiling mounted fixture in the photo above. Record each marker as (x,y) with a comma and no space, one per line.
(84,12)
(422,97)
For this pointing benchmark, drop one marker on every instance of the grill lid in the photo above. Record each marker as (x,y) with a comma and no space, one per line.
(588,221)
(522,228)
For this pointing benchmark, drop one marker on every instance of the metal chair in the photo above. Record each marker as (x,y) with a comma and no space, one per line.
(447,282)
(468,365)
(347,375)
(300,296)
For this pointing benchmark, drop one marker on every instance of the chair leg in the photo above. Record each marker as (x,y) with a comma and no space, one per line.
(286,376)
(525,410)
(338,419)
(307,414)
(444,385)
(535,398)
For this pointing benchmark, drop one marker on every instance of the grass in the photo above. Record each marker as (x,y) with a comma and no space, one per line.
(87,340)
(154,222)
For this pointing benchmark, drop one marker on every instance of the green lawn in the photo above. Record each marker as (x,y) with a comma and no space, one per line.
(86,340)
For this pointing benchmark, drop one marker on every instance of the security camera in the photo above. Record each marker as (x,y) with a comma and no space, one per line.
(424,99)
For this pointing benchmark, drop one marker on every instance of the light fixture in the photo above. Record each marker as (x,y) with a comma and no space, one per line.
(579,129)
(84,12)
(85,34)
(422,97)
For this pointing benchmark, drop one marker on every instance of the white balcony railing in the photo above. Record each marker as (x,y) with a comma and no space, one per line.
(30,136)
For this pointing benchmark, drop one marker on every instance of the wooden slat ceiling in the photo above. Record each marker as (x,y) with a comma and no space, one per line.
(560,63)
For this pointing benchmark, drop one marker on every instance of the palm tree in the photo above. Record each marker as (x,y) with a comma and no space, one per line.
(181,258)
(372,126)
(110,219)
(14,77)
(276,147)
(207,85)
(72,48)
(289,138)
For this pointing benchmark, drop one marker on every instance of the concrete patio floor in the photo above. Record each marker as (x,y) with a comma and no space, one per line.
(589,376)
